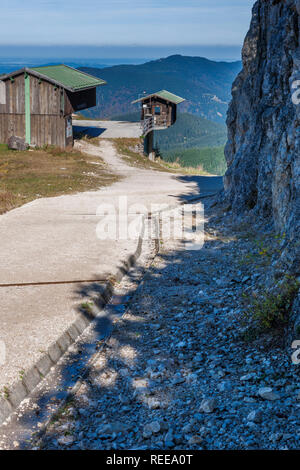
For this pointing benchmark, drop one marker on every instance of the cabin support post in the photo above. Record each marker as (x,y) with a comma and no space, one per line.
(27,110)
(148,145)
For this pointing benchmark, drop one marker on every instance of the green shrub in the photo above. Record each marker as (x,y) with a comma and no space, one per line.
(272,310)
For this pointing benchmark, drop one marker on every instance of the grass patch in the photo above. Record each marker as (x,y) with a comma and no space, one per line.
(82,135)
(62,412)
(47,172)
(177,166)
(271,310)
(265,248)
(126,147)
(81,117)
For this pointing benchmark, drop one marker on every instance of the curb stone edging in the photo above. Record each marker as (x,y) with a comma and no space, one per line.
(70,393)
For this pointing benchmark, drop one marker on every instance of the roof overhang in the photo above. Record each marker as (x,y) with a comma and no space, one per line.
(47,79)
(170,97)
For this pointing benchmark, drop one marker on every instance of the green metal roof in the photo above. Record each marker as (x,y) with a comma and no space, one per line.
(165,95)
(68,77)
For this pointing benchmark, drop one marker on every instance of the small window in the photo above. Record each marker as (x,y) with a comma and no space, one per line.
(2,93)
(157,110)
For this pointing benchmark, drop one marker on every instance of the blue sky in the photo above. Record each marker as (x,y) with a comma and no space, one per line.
(125,23)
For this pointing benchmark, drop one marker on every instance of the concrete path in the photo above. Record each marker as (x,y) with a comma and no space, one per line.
(108,129)
(54,239)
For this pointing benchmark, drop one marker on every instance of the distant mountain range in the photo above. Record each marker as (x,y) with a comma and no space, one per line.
(205,84)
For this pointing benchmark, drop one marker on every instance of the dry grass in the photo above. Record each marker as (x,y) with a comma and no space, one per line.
(25,176)
(80,117)
(175,167)
(125,147)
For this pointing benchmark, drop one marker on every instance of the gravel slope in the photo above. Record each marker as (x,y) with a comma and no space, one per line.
(177,372)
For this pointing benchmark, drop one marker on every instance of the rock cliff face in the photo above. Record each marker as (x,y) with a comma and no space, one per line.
(263,149)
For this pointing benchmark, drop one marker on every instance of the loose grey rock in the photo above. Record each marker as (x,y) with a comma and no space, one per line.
(154,403)
(249,400)
(208,405)
(195,440)
(255,416)
(267,393)
(224,386)
(169,442)
(247,377)
(187,428)
(151,428)
(65,440)
(17,143)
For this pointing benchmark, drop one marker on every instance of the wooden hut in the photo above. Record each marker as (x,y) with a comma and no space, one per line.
(36,104)
(160,108)
(159,111)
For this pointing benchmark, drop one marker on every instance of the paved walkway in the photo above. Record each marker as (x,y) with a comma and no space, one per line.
(54,239)
(108,129)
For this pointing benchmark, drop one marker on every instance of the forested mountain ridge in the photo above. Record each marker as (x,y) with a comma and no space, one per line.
(191,131)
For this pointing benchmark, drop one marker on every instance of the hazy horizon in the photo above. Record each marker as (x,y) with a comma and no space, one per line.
(124,28)
(136,54)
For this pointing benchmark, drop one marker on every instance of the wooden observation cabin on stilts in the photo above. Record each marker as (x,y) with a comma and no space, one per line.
(159,111)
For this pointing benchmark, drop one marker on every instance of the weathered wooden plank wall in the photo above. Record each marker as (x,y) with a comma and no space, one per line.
(47,120)
(48,124)
(51,108)
(48,130)
(15,96)
(44,97)
(12,112)
(11,124)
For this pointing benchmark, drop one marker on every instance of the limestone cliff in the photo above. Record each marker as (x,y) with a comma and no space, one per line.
(263,149)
